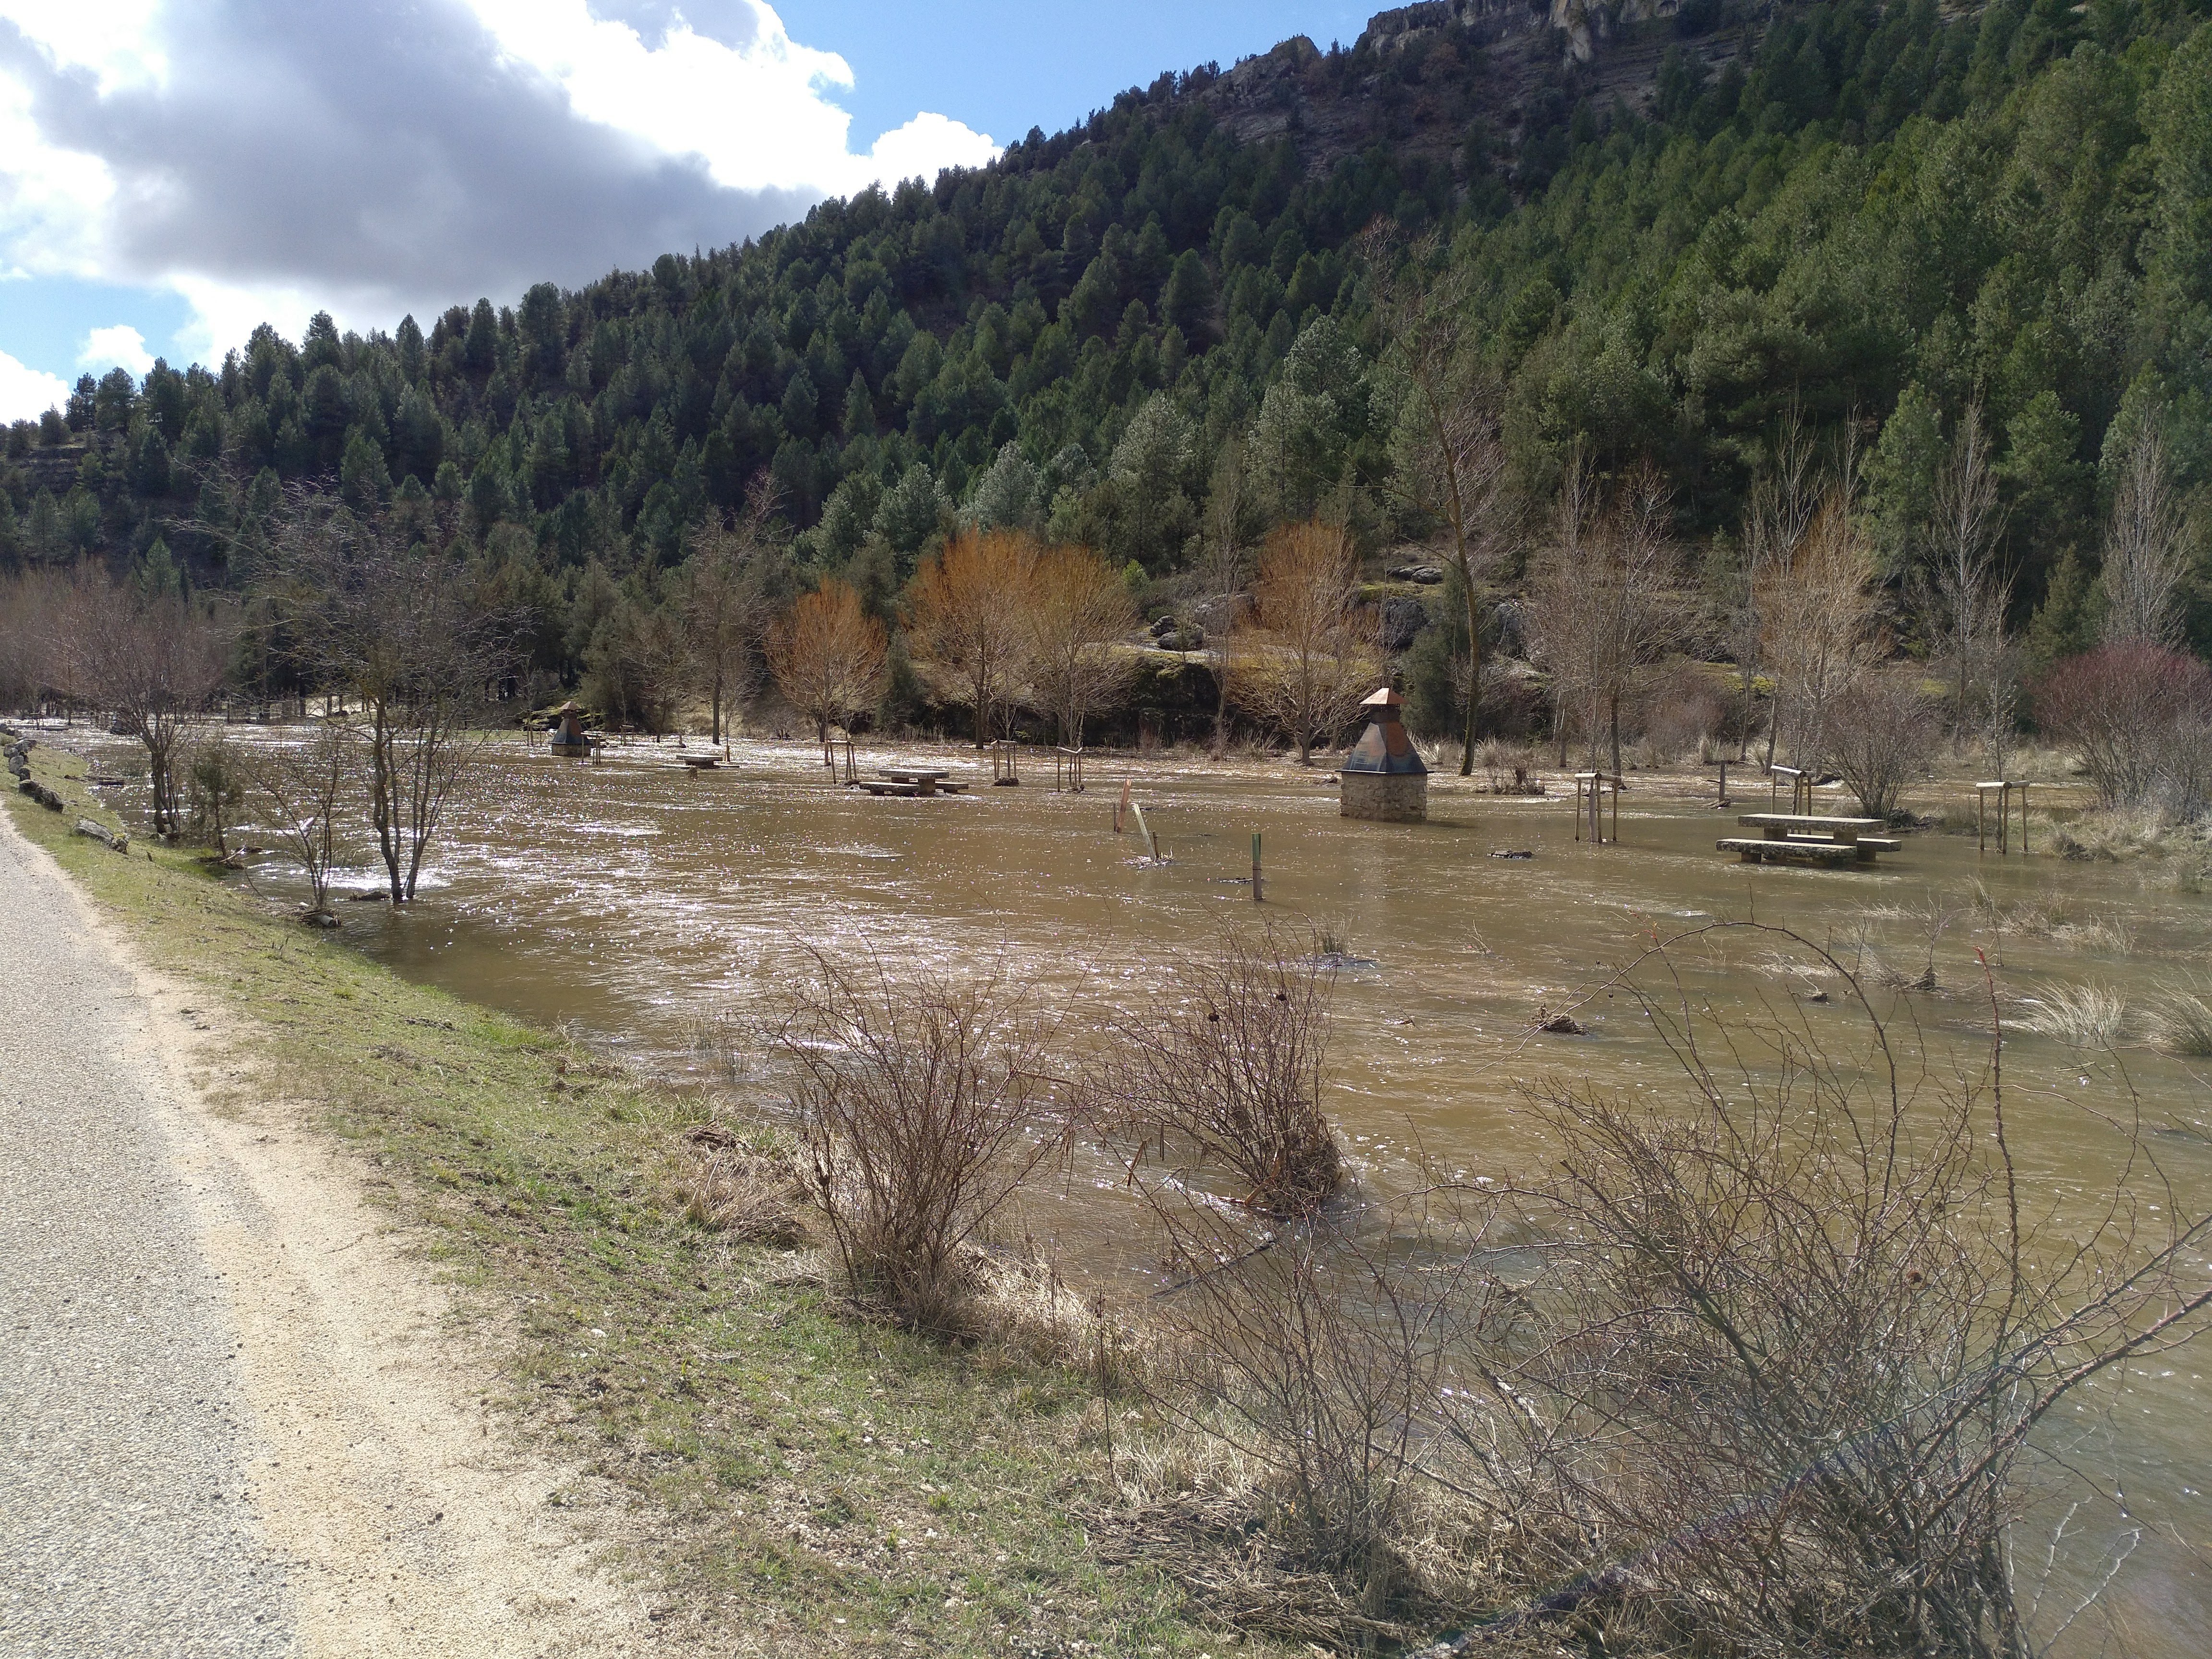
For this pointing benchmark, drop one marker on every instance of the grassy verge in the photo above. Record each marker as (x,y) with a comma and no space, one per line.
(812,1482)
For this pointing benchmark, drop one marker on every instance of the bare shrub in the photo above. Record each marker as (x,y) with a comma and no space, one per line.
(919,1104)
(1226,1071)
(1317,1351)
(1685,710)
(215,787)
(1781,1339)
(2139,717)
(1881,734)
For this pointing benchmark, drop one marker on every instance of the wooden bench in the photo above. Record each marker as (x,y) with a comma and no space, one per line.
(1794,851)
(702,763)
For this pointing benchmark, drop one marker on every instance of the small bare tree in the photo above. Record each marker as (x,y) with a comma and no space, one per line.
(970,612)
(1307,655)
(922,1104)
(1448,441)
(725,599)
(1818,612)
(1784,501)
(1224,534)
(303,787)
(2146,559)
(398,626)
(1081,614)
(827,655)
(1965,597)
(155,661)
(1605,597)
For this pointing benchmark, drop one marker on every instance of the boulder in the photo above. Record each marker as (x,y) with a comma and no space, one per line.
(115,840)
(1402,622)
(1429,575)
(1559,1024)
(38,792)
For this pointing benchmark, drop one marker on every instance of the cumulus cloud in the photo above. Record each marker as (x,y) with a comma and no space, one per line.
(27,393)
(266,158)
(120,346)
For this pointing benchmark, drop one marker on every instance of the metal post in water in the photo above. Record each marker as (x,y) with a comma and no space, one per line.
(1256,867)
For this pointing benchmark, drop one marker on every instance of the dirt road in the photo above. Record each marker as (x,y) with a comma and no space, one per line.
(236,1417)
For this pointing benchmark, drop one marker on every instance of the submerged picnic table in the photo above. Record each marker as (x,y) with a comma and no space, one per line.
(1808,838)
(913,781)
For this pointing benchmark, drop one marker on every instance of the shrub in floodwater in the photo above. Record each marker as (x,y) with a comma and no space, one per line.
(1227,1068)
(915,1098)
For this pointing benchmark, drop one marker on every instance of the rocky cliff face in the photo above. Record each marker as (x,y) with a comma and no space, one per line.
(1420,77)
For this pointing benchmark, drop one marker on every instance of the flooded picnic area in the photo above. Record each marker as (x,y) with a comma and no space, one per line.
(642,902)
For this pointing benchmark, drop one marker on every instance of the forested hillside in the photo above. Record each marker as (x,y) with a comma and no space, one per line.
(1673,233)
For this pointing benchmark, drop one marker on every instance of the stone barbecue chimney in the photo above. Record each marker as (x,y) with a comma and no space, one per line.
(1383,778)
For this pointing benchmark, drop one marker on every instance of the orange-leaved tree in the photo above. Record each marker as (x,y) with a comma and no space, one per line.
(1082,611)
(1300,664)
(827,655)
(969,612)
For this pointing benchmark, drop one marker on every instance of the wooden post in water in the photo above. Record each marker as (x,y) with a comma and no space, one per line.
(1256,867)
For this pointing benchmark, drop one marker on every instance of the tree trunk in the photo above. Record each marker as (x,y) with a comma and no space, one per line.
(1474,661)
(1614,714)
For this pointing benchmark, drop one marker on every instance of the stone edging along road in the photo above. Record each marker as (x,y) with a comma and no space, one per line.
(233,1419)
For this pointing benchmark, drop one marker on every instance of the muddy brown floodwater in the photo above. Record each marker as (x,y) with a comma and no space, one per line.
(641,903)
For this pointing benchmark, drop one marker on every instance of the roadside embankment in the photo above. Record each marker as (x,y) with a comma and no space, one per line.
(495,1385)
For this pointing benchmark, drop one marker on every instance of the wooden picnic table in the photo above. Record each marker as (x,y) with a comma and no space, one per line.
(1780,826)
(1808,838)
(913,781)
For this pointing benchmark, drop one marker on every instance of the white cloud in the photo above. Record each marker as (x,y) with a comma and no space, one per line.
(265,159)
(28,393)
(119,345)
(754,109)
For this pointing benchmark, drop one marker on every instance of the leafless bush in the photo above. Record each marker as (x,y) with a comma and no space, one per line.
(2140,718)
(214,785)
(1880,733)
(1224,1072)
(1316,1350)
(919,1104)
(1782,1341)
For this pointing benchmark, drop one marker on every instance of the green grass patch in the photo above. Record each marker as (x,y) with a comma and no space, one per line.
(812,1480)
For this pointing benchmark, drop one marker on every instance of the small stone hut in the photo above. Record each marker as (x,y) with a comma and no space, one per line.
(1383,778)
(569,729)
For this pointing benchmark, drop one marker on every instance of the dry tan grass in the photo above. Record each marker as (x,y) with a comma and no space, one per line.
(2182,1022)
(2083,1016)
(743,1185)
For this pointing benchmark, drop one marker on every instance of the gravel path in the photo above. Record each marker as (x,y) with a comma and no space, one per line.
(124,1436)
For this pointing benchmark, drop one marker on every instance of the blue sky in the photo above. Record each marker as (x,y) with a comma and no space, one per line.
(174,171)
